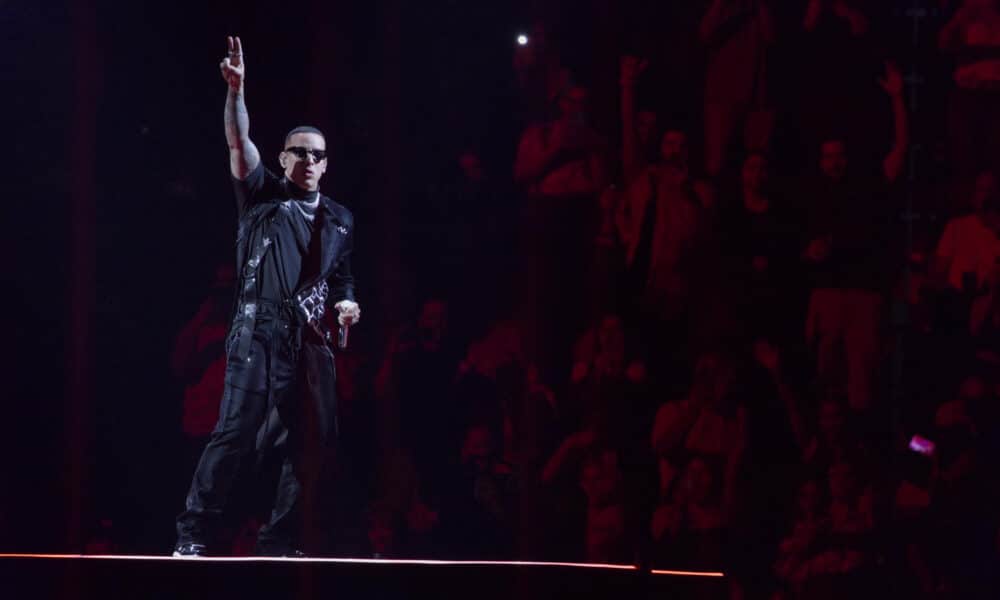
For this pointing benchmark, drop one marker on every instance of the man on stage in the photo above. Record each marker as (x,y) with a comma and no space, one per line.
(293,256)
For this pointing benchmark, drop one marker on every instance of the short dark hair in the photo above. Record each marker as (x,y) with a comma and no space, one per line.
(303,129)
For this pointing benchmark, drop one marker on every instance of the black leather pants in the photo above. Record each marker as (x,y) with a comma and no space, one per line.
(278,402)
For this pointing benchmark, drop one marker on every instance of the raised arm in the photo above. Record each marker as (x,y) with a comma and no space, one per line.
(632,159)
(892,166)
(766,22)
(537,151)
(243,154)
(712,20)
(814,11)
(950,37)
(767,356)
(570,449)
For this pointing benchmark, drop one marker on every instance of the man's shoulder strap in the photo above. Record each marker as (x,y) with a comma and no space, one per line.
(251,218)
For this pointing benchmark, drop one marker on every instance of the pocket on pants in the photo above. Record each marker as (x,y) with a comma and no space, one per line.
(248,373)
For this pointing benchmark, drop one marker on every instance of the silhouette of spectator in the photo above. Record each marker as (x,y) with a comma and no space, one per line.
(966,260)
(835,438)
(774,436)
(401,521)
(639,127)
(416,375)
(606,385)
(985,326)
(561,158)
(737,35)
(830,551)
(539,72)
(841,563)
(198,360)
(464,226)
(667,34)
(663,225)
(847,225)
(810,521)
(710,423)
(490,375)
(604,286)
(646,144)
(594,527)
(480,514)
(560,165)
(970,244)
(689,530)
(759,239)
(610,393)
(835,62)
(949,497)
(972,36)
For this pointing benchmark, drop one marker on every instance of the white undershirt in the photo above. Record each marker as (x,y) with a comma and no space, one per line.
(306,207)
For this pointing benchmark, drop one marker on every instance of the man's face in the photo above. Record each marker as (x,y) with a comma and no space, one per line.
(299,161)
(674,148)
(833,159)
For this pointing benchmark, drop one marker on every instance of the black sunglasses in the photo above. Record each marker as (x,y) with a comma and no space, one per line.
(301,153)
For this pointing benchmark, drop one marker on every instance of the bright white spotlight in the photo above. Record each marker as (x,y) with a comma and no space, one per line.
(522,40)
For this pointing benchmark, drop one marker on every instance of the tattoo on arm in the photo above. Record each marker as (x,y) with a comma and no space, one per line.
(243,154)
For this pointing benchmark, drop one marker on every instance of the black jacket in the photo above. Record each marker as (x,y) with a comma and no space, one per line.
(257,205)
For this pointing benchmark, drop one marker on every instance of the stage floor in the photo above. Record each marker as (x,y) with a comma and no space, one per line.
(140,577)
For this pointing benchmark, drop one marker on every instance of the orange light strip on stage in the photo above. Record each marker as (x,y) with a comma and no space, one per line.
(383,561)
(688,573)
(374,561)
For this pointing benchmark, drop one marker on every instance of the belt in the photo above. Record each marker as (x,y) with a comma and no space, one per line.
(278,309)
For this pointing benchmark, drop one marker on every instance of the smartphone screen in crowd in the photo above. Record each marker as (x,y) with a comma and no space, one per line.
(922,445)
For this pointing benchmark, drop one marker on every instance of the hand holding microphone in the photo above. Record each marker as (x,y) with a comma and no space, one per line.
(349,313)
